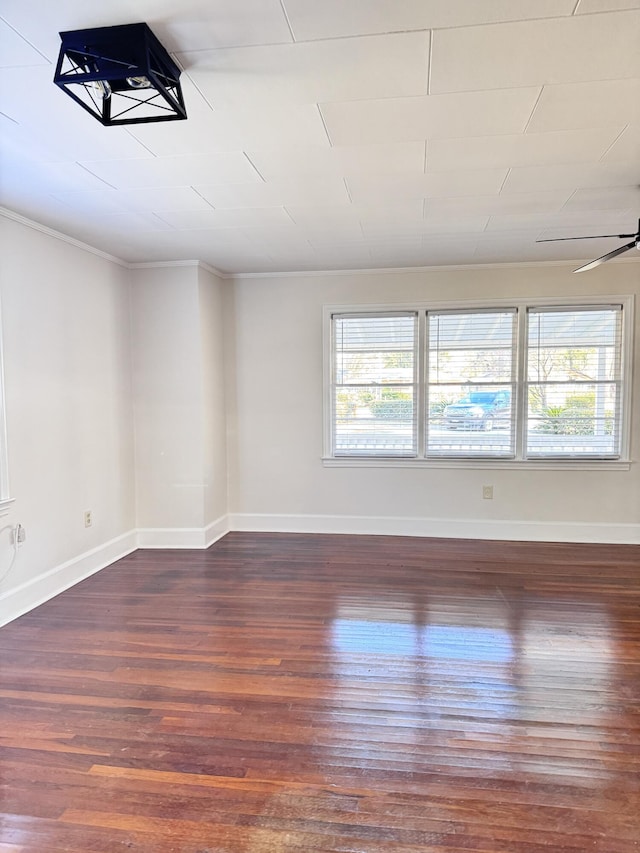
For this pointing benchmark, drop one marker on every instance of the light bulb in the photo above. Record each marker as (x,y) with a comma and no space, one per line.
(103,87)
(139,82)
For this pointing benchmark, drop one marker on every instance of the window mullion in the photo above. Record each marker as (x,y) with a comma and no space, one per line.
(421,378)
(522,385)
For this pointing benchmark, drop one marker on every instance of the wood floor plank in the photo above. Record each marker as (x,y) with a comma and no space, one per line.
(290,693)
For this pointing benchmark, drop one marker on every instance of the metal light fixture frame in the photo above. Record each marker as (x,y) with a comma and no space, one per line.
(120,75)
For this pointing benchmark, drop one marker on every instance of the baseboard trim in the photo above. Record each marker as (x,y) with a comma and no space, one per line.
(19,600)
(25,597)
(216,530)
(524,531)
(183,537)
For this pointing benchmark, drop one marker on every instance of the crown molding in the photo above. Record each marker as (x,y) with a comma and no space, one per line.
(148,265)
(438,268)
(59,235)
(86,247)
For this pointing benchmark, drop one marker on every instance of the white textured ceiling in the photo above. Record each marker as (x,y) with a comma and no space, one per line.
(338,134)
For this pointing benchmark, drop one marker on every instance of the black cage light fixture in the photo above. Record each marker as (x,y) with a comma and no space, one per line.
(121,75)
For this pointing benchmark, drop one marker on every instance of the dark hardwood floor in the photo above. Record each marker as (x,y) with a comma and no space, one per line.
(314,694)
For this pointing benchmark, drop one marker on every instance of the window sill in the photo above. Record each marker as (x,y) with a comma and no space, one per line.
(506,464)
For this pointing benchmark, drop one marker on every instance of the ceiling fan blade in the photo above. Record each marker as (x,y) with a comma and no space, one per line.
(594,237)
(607,257)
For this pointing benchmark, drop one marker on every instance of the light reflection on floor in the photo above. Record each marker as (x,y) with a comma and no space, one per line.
(450,642)
(505,663)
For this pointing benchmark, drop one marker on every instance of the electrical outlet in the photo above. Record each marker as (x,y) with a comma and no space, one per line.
(487,493)
(19,534)
(88,521)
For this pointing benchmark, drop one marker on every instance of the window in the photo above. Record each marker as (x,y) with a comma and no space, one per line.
(512,382)
(574,392)
(374,390)
(471,357)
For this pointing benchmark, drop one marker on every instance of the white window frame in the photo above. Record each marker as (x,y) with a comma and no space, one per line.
(515,390)
(418,398)
(521,306)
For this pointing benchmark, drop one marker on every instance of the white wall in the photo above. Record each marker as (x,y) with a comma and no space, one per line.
(178,380)
(168,397)
(212,323)
(277,479)
(67,359)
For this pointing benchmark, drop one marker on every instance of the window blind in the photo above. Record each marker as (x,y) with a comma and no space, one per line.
(375,384)
(471,391)
(574,381)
